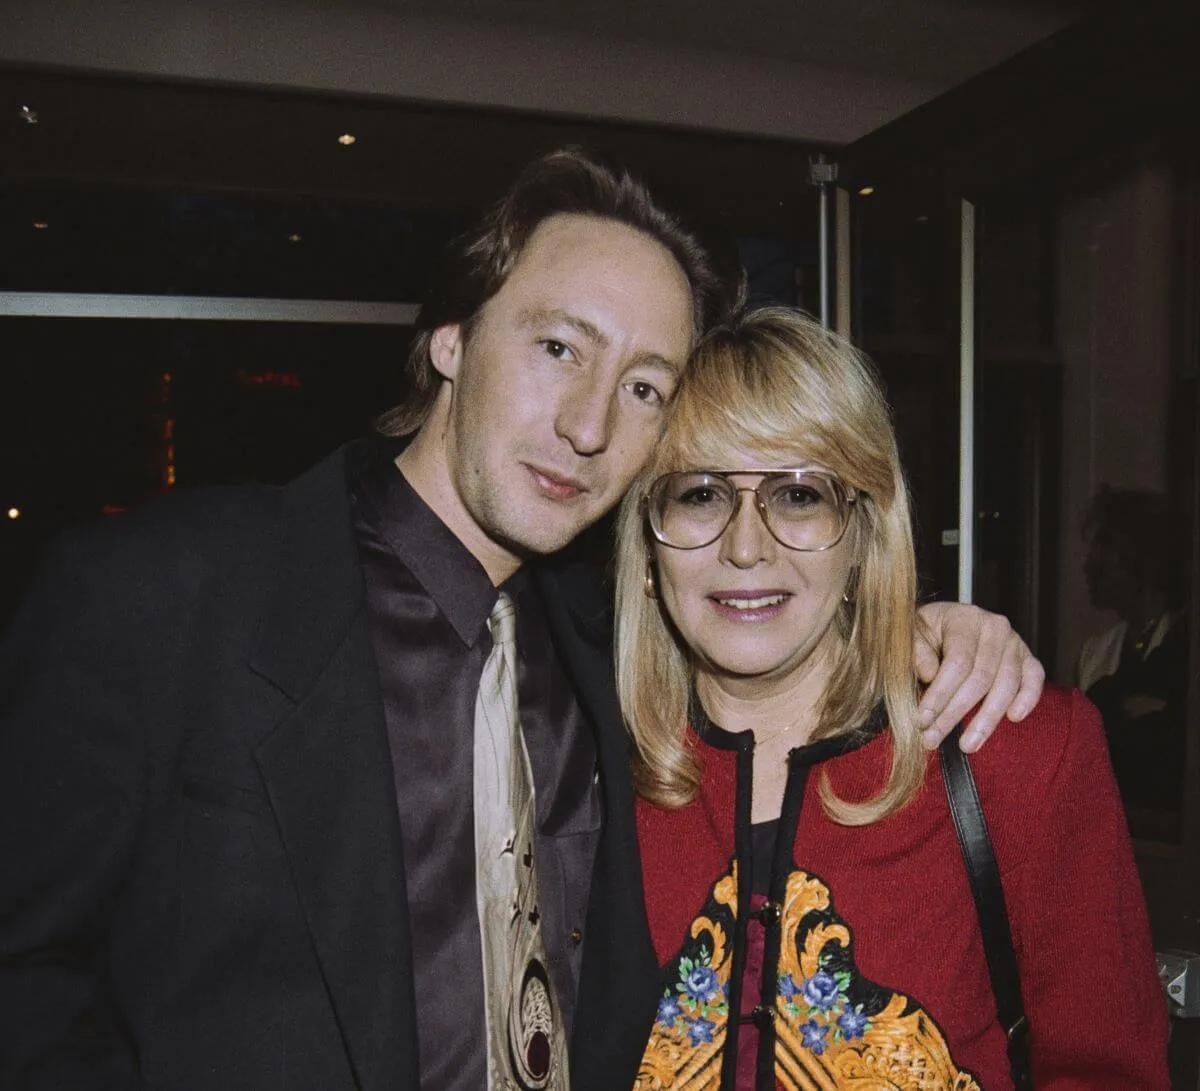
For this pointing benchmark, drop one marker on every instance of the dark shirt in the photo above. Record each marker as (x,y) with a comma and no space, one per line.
(429,599)
(1148,746)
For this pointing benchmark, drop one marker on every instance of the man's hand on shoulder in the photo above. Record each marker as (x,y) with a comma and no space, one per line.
(967,655)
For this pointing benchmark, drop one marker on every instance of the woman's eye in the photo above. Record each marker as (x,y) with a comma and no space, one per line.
(798,496)
(698,497)
(645,392)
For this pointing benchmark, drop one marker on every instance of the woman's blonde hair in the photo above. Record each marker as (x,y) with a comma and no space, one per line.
(776,384)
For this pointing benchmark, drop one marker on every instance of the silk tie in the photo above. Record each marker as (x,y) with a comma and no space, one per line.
(526,1045)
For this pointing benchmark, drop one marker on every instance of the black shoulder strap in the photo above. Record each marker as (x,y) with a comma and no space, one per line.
(984,877)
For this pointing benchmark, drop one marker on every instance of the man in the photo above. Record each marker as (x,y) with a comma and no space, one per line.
(239,794)
(1136,671)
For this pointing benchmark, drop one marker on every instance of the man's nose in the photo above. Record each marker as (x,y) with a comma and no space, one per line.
(746,540)
(585,418)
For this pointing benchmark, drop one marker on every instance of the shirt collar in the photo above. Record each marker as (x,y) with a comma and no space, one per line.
(447,571)
(710,732)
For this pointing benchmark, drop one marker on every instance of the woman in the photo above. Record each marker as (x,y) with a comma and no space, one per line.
(807,896)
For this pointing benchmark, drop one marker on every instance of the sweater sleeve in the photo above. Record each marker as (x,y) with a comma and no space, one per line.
(1096,1009)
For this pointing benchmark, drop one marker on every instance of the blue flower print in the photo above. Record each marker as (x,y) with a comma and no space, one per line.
(822,990)
(853,1024)
(788,987)
(668,1010)
(700,1030)
(814,1036)
(702,984)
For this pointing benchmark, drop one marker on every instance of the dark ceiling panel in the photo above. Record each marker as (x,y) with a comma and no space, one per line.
(178,135)
(1058,116)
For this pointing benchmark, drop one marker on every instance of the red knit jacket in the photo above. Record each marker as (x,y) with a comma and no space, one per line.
(874,960)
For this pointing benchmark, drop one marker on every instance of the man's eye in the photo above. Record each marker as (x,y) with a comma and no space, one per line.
(645,392)
(699,496)
(556,349)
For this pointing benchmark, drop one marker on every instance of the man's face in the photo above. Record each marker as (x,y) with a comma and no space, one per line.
(1111,586)
(557,396)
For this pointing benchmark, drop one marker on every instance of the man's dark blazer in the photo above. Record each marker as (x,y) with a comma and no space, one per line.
(201,882)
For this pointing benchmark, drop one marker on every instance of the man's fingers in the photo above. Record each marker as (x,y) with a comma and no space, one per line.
(969,692)
(925,654)
(1033,681)
(1016,690)
(986,664)
(1003,691)
(973,643)
(952,672)
(977,646)
(1008,690)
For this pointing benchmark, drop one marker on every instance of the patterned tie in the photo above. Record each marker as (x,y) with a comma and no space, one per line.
(525,1040)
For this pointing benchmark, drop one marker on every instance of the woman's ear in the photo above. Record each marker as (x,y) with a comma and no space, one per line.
(446,350)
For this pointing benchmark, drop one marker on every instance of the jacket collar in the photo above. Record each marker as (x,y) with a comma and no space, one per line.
(320,588)
(327,772)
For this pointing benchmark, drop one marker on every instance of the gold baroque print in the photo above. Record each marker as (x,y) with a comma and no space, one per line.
(684,1051)
(835,1029)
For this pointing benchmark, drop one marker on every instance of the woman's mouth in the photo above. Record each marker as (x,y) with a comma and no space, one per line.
(749,605)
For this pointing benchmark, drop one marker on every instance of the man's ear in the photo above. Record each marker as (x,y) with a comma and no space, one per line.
(446,350)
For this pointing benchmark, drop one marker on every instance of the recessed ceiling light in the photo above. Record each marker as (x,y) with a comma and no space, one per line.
(28,115)
(866,191)
(40,225)
(294,237)
(922,219)
(346,139)
(14,513)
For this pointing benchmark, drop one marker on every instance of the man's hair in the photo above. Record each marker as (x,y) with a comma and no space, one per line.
(776,385)
(476,265)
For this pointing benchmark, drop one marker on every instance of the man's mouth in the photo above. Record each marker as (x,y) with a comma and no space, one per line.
(556,486)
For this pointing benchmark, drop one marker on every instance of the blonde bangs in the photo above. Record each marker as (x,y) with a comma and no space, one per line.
(737,400)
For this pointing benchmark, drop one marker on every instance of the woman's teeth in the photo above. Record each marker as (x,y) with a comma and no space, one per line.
(752,604)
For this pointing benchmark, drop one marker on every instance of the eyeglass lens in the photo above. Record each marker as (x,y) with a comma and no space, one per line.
(804,510)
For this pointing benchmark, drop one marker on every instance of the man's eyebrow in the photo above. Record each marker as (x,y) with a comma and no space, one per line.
(532,317)
(539,316)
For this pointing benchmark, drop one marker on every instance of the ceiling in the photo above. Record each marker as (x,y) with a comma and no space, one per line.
(448,100)
(826,71)
(931,42)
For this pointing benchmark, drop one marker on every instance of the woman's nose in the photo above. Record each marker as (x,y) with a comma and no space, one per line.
(746,540)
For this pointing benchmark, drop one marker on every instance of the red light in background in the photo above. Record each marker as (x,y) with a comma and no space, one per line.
(280,380)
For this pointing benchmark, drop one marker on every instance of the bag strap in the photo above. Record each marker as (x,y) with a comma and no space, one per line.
(988,893)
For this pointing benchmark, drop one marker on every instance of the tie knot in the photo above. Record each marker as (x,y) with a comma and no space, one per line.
(503,621)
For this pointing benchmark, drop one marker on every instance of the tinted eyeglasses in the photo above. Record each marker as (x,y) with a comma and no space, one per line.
(806,510)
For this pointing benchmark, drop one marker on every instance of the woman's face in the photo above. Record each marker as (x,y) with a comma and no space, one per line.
(753,611)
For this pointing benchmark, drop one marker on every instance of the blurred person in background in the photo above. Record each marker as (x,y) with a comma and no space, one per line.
(1136,670)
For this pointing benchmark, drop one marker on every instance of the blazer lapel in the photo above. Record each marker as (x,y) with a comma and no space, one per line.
(327,771)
